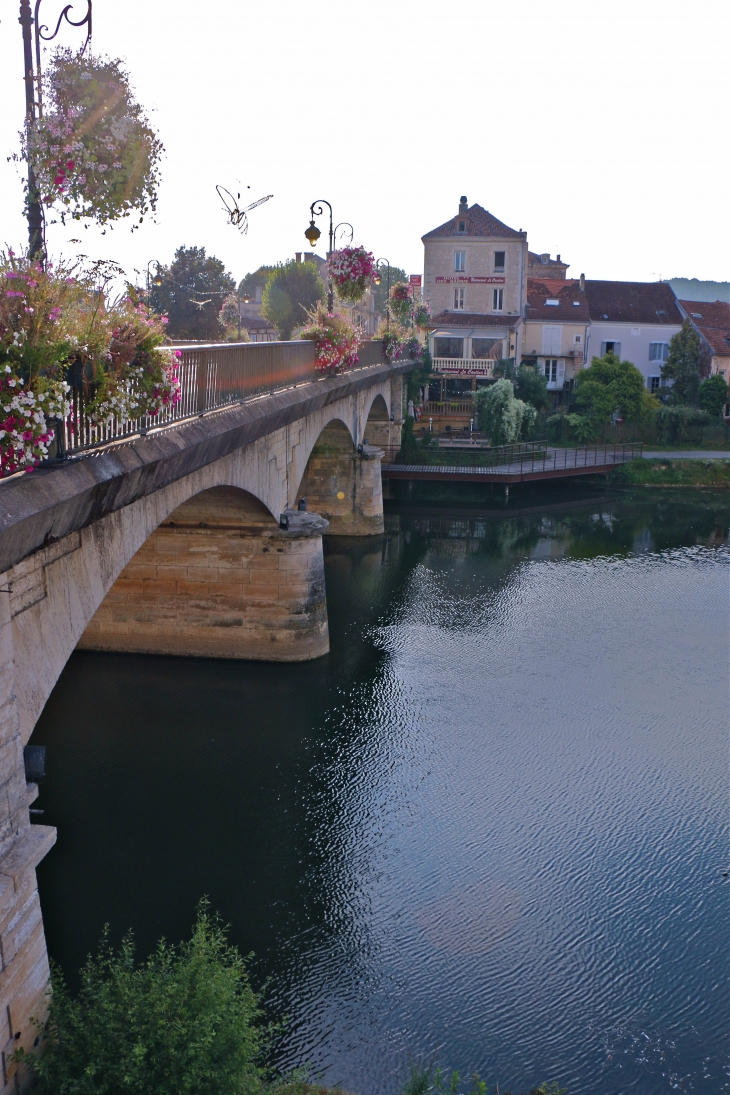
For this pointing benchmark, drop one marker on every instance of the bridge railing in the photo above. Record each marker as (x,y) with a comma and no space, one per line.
(211,376)
(532,458)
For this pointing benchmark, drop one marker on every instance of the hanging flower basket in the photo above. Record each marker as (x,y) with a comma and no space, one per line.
(421,314)
(401,302)
(229,315)
(352,271)
(335,342)
(93,152)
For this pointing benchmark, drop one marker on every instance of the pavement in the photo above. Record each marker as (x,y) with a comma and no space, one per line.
(700,454)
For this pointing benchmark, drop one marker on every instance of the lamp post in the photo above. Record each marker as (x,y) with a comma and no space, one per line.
(155,279)
(313,233)
(32,77)
(378,278)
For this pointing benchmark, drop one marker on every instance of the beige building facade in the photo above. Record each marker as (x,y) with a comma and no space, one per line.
(555,331)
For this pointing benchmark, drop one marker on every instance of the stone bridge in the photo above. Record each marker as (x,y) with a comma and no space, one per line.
(188,541)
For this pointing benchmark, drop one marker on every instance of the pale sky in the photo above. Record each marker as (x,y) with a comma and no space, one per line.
(598,126)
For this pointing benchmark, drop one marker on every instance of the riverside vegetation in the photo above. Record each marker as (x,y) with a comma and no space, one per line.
(183,1021)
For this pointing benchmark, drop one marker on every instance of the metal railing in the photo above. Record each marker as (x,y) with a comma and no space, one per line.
(211,376)
(531,458)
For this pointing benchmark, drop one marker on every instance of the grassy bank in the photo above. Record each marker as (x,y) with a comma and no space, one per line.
(672,473)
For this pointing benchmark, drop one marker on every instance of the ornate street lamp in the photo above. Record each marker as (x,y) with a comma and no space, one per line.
(156,278)
(313,233)
(33,99)
(378,279)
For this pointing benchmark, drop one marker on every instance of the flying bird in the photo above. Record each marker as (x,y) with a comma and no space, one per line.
(237,217)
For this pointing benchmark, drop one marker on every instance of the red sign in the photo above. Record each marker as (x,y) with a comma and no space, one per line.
(415,279)
(470,281)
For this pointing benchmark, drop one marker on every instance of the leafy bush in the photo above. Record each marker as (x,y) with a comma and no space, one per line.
(183,1022)
(683,366)
(531,387)
(422,1080)
(502,416)
(674,422)
(608,386)
(714,394)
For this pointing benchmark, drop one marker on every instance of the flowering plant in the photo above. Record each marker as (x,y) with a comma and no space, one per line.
(401,302)
(229,315)
(352,270)
(93,151)
(421,314)
(335,341)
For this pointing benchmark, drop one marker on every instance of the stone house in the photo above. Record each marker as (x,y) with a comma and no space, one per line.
(635,320)
(475,280)
(711,321)
(542,266)
(555,331)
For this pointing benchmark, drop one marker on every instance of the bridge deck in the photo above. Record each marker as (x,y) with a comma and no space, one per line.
(547,464)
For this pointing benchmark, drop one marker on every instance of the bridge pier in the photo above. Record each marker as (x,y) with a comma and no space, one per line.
(220,579)
(344,485)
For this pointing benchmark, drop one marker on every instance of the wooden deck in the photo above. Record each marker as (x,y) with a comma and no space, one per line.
(545,464)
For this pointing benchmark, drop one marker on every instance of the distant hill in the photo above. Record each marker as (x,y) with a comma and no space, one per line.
(692,289)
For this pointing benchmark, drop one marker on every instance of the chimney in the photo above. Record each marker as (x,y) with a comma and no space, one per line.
(463,207)
(298,256)
(558,259)
(582,283)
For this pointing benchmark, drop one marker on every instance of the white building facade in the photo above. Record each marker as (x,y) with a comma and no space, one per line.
(636,321)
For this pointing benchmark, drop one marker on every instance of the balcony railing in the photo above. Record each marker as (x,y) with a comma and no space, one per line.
(448,407)
(211,376)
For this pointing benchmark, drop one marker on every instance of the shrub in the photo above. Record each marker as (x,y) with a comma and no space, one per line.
(683,366)
(531,387)
(502,416)
(184,1021)
(674,422)
(714,394)
(609,386)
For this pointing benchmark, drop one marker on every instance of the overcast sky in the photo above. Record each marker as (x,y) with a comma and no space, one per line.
(598,126)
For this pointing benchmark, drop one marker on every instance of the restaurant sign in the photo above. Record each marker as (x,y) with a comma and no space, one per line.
(469,281)
(415,279)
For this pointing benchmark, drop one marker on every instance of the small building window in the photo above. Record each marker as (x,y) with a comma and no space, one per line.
(498,261)
(654,383)
(658,351)
(461,226)
(458,300)
(497,300)
(460,261)
(553,303)
(611,348)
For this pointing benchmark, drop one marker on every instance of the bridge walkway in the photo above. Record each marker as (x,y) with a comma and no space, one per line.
(523,465)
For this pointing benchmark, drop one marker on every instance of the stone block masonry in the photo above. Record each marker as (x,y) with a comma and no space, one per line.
(220,579)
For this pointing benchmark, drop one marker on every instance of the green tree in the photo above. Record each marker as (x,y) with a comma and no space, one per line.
(293,289)
(531,387)
(501,416)
(183,1022)
(609,386)
(683,366)
(714,394)
(192,277)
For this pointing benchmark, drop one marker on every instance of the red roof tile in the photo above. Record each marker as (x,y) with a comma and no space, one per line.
(480,223)
(711,319)
(474,319)
(633,302)
(566,292)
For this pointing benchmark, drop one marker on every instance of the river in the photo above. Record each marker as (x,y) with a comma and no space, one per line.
(489,829)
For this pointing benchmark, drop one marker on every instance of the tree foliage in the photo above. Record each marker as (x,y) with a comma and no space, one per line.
(184,1021)
(293,290)
(192,276)
(683,367)
(501,416)
(248,283)
(531,387)
(714,394)
(380,292)
(611,386)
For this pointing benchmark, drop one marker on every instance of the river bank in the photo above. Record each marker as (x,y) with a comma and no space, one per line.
(672,471)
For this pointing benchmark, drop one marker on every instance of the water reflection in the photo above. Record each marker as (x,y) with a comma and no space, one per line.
(489,823)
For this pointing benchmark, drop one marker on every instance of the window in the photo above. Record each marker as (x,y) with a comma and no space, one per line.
(611,348)
(553,303)
(658,351)
(460,260)
(458,300)
(486,348)
(449,347)
(654,383)
(498,260)
(497,300)
(551,370)
(576,339)
(461,226)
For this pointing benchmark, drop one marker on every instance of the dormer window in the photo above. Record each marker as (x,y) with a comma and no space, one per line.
(554,303)
(461,226)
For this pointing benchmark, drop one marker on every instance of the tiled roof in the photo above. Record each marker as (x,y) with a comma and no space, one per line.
(712,320)
(474,319)
(480,223)
(633,302)
(565,291)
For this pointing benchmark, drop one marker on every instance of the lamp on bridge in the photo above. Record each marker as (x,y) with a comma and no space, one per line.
(156,278)
(313,233)
(378,279)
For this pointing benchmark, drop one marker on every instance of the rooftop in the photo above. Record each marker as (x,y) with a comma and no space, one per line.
(712,320)
(474,319)
(556,299)
(479,222)
(633,302)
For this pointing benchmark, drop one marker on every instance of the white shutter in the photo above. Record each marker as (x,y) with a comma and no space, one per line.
(552,338)
(561,372)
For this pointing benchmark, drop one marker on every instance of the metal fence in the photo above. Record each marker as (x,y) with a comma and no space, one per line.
(211,376)
(534,458)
